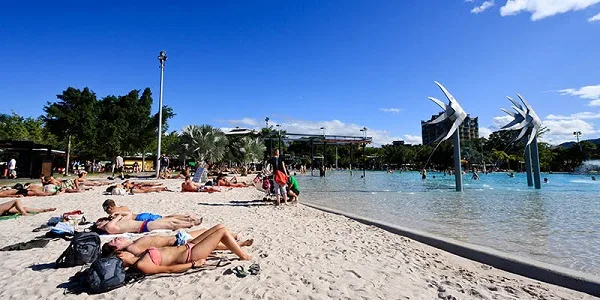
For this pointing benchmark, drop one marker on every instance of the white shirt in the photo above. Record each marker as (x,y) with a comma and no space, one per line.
(11,164)
(119,161)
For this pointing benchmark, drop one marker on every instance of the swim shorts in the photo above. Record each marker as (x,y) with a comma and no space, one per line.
(144,227)
(147,217)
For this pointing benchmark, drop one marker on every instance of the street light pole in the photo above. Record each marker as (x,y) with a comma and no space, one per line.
(162,58)
(364,131)
(482,158)
(324,150)
(577,134)
(279,138)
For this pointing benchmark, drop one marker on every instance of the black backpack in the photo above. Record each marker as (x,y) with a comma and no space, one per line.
(105,274)
(84,249)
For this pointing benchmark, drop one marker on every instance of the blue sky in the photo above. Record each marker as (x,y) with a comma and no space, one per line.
(306,64)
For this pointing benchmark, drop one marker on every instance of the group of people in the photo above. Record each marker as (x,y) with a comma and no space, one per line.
(163,254)
(154,254)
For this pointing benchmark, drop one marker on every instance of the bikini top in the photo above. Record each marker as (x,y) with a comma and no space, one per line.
(155,255)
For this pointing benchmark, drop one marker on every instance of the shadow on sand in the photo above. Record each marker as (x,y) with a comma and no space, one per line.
(246,203)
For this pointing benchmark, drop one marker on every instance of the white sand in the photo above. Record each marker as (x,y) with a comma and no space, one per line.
(309,255)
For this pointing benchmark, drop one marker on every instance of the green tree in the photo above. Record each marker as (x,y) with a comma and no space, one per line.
(74,115)
(16,127)
(204,143)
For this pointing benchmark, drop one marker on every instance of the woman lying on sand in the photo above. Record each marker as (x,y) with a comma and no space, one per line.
(139,246)
(20,190)
(53,185)
(189,186)
(182,258)
(15,207)
(84,181)
(222,181)
(130,188)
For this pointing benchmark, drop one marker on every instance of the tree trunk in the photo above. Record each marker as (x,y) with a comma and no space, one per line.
(68,155)
(144,161)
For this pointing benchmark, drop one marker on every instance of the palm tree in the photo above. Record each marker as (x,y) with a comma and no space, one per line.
(252,150)
(204,142)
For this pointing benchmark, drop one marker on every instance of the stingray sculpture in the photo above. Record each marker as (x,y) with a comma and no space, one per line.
(455,114)
(526,120)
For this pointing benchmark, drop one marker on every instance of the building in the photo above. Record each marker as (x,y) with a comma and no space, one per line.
(469,129)
(397,143)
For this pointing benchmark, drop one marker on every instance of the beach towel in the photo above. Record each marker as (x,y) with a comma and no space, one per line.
(13,216)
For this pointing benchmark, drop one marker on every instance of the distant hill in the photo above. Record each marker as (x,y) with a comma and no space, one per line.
(571,144)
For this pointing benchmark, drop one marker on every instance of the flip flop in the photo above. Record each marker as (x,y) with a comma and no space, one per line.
(254,269)
(239,272)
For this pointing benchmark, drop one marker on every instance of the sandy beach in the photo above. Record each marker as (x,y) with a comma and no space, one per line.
(304,254)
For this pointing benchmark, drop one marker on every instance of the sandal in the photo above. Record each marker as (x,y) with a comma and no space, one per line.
(254,269)
(239,272)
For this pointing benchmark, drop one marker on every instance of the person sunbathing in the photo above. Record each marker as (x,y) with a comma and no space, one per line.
(26,190)
(182,258)
(110,207)
(84,181)
(130,188)
(122,223)
(56,186)
(139,246)
(189,186)
(142,184)
(222,181)
(15,207)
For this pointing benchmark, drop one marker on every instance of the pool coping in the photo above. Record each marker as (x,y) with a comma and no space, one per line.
(527,267)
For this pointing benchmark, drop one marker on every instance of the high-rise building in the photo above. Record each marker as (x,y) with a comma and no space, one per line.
(469,129)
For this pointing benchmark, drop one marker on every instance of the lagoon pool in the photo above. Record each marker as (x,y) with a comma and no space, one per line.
(558,224)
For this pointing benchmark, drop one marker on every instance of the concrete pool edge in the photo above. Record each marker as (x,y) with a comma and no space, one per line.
(530,268)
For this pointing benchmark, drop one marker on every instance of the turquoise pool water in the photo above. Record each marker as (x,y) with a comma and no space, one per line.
(558,224)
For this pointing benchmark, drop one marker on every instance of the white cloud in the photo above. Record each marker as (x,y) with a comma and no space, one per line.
(580,115)
(594,102)
(244,121)
(561,131)
(540,9)
(500,121)
(413,139)
(594,18)
(590,92)
(483,7)
(587,92)
(390,110)
(484,132)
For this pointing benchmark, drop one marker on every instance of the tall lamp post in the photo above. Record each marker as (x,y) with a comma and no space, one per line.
(577,134)
(162,58)
(364,131)
(324,149)
(482,158)
(279,138)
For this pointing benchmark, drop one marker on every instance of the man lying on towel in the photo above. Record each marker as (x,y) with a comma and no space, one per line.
(122,222)
(110,207)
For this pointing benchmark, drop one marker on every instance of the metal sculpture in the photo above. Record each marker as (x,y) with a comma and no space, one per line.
(526,120)
(455,114)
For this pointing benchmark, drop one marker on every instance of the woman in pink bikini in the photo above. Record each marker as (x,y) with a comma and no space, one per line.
(182,258)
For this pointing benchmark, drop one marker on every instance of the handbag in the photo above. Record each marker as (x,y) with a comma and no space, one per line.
(280,178)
